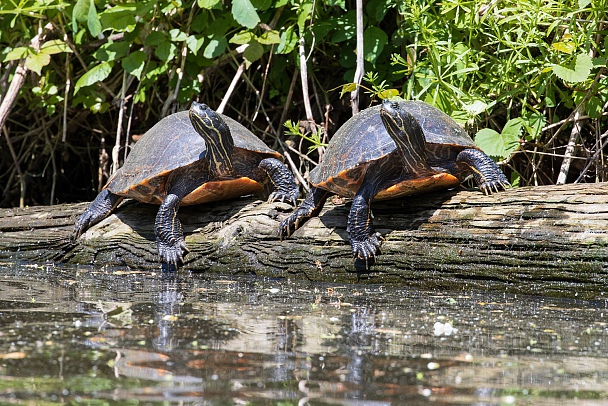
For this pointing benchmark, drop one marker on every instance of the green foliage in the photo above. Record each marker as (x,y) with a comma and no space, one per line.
(505,66)
(500,145)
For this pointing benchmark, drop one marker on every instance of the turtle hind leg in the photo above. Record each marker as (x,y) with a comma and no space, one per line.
(364,240)
(100,208)
(486,173)
(167,227)
(310,207)
(284,185)
(170,233)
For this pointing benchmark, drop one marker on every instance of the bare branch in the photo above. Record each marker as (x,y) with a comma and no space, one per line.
(360,71)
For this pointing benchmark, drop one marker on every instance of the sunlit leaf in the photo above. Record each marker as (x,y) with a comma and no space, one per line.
(35,62)
(96,74)
(93,23)
(388,93)
(244,13)
(500,146)
(209,4)
(55,46)
(566,47)
(269,38)
(177,35)
(581,71)
(17,53)
(347,88)
(243,37)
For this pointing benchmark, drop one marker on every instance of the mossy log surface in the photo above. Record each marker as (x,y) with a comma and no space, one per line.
(550,240)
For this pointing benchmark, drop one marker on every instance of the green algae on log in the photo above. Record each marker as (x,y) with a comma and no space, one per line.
(550,240)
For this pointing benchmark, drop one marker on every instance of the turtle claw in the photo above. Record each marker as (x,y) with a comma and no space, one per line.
(282,197)
(367,249)
(173,255)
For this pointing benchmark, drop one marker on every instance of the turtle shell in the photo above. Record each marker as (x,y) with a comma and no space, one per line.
(363,139)
(173,144)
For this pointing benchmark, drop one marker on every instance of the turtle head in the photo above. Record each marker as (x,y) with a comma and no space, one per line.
(406,132)
(215,131)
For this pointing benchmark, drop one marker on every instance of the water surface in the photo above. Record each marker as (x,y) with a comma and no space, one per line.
(124,337)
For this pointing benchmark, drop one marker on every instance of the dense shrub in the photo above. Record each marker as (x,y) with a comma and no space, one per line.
(527,78)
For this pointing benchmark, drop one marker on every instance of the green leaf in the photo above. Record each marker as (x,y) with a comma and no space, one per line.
(35,62)
(566,47)
(269,38)
(215,48)
(55,46)
(388,93)
(581,71)
(253,52)
(135,63)
(93,20)
(374,40)
(209,4)
(166,51)
(583,3)
(534,123)
(112,51)
(80,13)
(18,53)
(96,74)
(594,107)
(195,42)
(304,12)
(244,13)
(119,18)
(243,37)
(289,40)
(347,88)
(155,38)
(177,35)
(497,145)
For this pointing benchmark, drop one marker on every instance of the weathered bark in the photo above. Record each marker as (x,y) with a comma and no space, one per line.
(545,240)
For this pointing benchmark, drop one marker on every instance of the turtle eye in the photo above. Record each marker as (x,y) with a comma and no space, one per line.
(394,104)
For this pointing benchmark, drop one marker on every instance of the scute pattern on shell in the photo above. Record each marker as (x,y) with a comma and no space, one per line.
(173,143)
(363,139)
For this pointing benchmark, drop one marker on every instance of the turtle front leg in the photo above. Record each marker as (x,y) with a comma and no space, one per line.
(169,232)
(102,206)
(284,185)
(486,173)
(310,207)
(364,240)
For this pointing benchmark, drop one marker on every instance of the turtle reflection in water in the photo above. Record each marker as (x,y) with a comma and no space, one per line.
(385,152)
(190,158)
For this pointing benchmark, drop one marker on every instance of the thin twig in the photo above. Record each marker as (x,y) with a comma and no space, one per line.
(233,83)
(304,80)
(121,114)
(360,71)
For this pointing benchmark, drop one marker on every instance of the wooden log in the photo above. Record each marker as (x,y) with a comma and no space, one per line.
(548,240)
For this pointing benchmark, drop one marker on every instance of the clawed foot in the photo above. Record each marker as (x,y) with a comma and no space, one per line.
(283,197)
(494,185)
(172,254)
(291,224)
(366,250)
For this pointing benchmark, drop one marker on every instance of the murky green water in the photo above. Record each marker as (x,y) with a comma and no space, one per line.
(117,337)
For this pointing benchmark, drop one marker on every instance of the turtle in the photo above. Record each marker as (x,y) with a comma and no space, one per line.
(395,149)
(187,158)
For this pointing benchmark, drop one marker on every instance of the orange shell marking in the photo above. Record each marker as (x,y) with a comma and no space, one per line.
(425,184)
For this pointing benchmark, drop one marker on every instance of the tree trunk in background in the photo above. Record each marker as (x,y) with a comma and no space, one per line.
(545,240)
